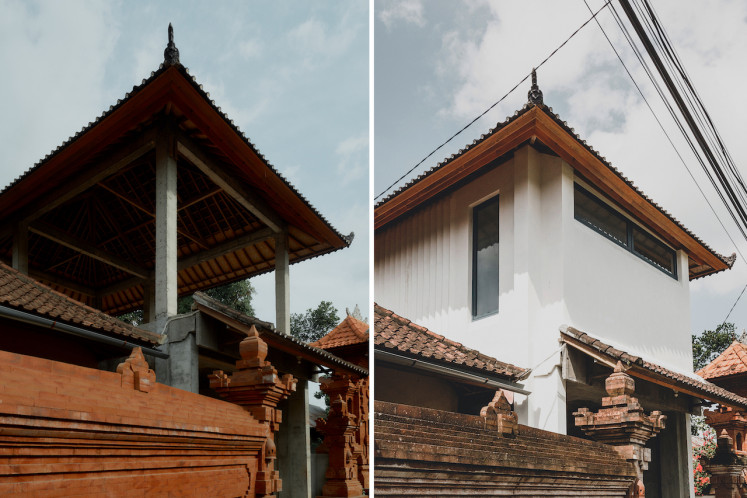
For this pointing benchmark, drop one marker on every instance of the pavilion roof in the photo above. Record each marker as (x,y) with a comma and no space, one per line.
(89,205)
(348,332)
(732,361)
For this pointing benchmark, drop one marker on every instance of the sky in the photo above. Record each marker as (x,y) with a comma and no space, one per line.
(440,63)
(292,75)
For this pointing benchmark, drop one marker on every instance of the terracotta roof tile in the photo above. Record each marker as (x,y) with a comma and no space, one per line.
(729,260)
(26,294)
(731,362)
(704,388)
(401,336)
(349,332)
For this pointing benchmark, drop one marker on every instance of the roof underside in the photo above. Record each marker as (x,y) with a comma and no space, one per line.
(539,126)
(90,205)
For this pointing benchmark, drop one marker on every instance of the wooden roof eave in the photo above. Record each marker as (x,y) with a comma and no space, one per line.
(536,124)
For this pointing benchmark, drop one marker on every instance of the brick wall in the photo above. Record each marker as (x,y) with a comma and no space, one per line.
(69,430)
(425,452)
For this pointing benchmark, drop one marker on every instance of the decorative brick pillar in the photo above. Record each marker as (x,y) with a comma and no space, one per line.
(257,387)
(622,423)
(728,469)
(361,433)
(342,436)
(498,416)
(734,422)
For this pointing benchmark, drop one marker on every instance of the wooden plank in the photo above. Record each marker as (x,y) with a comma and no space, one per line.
(65,239)
(121,286)
(249,200)
(62,282)
(226,247)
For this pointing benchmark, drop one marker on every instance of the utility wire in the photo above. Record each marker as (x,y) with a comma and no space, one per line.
(661,126)
(594,15)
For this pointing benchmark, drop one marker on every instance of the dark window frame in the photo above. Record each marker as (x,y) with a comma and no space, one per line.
(475,209)
(628,244)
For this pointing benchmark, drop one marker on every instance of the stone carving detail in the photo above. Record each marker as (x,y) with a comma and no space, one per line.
(728,469)
(257,387)
(535,94)
(622,423)
(171,53)
(499,416)
(734,422)
(136,373)
(345,439)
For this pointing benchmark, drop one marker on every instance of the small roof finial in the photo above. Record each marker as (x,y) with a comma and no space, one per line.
(171,53)
(535,94)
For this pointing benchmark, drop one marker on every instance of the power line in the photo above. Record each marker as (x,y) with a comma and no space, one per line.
(494,104)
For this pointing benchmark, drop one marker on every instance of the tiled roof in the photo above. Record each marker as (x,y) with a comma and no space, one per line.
(731,362)
(549,112)
(23,293)
(702,388)
(273,336)
(191,79)
(349,332)
(399,335)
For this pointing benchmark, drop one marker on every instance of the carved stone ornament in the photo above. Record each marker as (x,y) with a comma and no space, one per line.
(535,94)
(171,53)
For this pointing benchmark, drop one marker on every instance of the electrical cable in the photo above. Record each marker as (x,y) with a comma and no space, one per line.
(494,104)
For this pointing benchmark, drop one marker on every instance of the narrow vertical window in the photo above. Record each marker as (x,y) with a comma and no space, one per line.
(485,258)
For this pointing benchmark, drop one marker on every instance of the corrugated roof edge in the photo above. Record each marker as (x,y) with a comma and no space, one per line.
(347,239)
(728,260)
(207,301)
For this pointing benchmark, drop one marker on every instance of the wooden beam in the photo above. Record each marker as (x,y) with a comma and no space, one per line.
(123,285)
(226,247)
(249,200)
(105,168)
(62,282)
(65,239)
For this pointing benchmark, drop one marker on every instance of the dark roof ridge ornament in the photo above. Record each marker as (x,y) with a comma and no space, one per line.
(535,94)
(171,53)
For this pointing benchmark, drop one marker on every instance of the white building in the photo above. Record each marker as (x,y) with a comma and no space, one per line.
(529,229)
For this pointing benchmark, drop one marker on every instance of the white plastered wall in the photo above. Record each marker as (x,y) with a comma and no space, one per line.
(552,269)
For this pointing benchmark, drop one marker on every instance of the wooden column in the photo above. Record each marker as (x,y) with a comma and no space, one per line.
(165,270)
(21,248)
(282,283)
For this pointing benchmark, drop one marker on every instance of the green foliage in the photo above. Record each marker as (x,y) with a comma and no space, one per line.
(237,295)
(712,343)
(315,323)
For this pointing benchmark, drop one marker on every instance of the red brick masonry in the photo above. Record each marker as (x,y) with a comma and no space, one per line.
(67,430)
(424,452)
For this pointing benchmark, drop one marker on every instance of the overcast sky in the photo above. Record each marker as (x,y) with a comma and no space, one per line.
(292,75)
(440,63)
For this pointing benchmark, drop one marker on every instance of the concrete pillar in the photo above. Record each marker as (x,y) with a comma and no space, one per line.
(165,268)
(183,360)
(282,283)
(149,301)
(294,454)
(21,248)
(675,444)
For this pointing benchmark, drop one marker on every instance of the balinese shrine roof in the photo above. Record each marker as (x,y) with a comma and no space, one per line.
(349,332)
(538,125)
(90,204)
(22,293)
(643,369)
(398,335)
(733,361)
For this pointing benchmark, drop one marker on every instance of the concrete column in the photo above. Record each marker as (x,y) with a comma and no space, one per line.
(165,271)
(676,456)
(21,248)
(282,283)
(184,370)
(293,443)
(149,303)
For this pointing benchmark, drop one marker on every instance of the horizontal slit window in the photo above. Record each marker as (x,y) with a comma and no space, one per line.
(605,220)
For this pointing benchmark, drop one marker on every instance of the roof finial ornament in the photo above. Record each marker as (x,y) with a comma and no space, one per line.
(171,53)
(535,94)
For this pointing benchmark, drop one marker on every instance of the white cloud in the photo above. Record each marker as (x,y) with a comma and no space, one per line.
(250,48)
(407,11)
(353,158)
